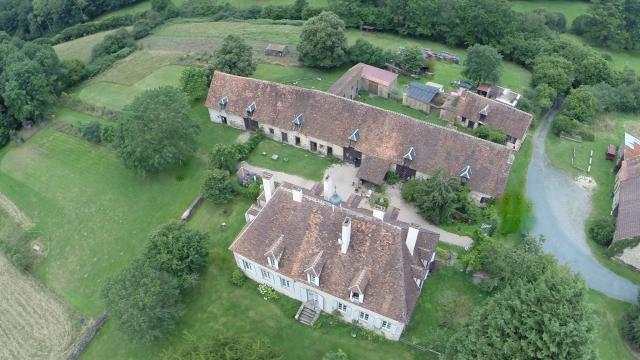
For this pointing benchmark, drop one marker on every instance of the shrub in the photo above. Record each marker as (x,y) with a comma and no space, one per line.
(224,157)
(253,191)
(267,292)
(141,29)
(601,231)
(108,133)
(619,246)
(564,125)
(217,187)
(392,177)
(497,136)
(113,43)
(238,278)
(92,132)
(20,256)
(631,327)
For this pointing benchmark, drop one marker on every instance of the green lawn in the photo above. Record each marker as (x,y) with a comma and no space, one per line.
(570,9)
(291,160)
(137,8)
(298,75)
(619,58)
(397,106)
(608,341)
(609,129)
(67,116)
(513,208)
(113,95)
(80,49)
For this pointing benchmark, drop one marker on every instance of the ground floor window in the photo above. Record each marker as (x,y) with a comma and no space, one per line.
(223,119)
(265,274)
(247,265)
(342,307)
(386,325)
(271,131)
(285,137)
(329,150)
(285,283)
(298,140)
(364,316)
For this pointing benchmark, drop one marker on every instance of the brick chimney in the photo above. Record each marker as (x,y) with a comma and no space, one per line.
(378,212)
(268,182)
(327,187)
(297,194)
(412,237)
(346,234)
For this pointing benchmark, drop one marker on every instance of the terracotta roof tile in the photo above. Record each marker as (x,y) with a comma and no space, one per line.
(384,134)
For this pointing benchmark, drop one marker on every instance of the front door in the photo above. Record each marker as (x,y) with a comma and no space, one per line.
(352,156)
(313,296)
(405,172)
(373,87)
(250,124)
(285,137)
(313,146)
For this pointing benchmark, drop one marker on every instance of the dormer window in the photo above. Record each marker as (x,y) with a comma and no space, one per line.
(312,279)
(466,173)
(298,121)
(223,102)
(251,108)
(274,254)
(409,156)
(358,286)
(356,297)
(483,113)
(272,262)
(355,136)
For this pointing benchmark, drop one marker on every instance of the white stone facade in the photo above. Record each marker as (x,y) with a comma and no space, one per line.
(302,290)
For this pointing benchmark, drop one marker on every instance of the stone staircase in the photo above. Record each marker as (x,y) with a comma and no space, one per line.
(308,313)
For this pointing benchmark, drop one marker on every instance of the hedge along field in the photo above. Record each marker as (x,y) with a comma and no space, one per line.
(570,9)
(80,49)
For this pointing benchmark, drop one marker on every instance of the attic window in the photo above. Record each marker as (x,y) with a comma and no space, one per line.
(410,155)
(466,173)
(272,262)
(312,279)
(355,136)
(251,108)
(223,102)
(484,112)
(298,121)
(356,297)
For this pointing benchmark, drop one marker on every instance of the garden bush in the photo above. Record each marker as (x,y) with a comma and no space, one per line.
(631,327)
(601,231)
(267,292)
(392,177)
(141,29)
(92,132)
(238,278)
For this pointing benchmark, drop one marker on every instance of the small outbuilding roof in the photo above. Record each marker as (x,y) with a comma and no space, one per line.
(421,92)
(373,170)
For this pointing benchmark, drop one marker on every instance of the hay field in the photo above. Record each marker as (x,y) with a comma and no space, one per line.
(34,324)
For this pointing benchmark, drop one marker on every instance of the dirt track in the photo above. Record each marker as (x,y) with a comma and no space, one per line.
(13,211)
(34,324)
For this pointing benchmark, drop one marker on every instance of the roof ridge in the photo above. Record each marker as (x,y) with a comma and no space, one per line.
(421,122)
(501,103)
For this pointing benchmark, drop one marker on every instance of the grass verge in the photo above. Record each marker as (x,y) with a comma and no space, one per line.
(513,208)
(291,160)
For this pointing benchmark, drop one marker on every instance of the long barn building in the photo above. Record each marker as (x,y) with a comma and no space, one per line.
(375,139)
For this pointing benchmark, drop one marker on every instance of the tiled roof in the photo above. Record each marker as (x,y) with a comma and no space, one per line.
(378,75)
(421,92)
(514,122)
(384,134)
(373,170)
(377,259)
(628,220)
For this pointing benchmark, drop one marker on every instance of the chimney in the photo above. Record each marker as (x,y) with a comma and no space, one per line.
(378,212)
(346,234)
(297,194)
(269,185)
(327,188)
(412,237)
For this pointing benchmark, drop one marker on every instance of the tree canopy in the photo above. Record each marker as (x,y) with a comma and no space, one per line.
(143,301)
(581,105)
(234,56)
(178,251)
(482,64)
(193,82)
(555,71)
(410,59)
(323,42)
(154,132)
(365,52)
(435,197)
(217,187)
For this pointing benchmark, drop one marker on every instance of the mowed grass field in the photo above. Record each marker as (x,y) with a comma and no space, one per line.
(80,49)
(570,9)
(34,323)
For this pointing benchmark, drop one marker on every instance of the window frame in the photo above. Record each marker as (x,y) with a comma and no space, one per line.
(342,307)
(247,265)
(285,283)
(385,325)
(363,316)
(266,272)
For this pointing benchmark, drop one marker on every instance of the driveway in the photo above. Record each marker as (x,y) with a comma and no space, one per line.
(560,208)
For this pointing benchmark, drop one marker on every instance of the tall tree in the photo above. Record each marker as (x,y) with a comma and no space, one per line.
(234,56)
(581,105)
(547,319)
(436,197)
(323,42)
(410,59)
(143,301)
(217,187)
(155,132)
(193,82)
(27,92)
(555,71)
(483,64)
(365,52)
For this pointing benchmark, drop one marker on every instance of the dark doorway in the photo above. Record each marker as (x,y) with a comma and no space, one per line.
(373,88)
(471,124)
(353,156)
(250,124)
(405,172)
(313,146)
(285,137)
(298,140)
(224,120)
(329,151)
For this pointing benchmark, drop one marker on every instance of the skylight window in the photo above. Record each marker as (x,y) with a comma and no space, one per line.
(223,102)
(251,108)
(355,136)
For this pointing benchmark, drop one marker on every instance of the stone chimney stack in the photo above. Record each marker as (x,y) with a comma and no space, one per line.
(346,234)
(378,212)
(297,194)
(327,187)
(412,237)
(268,182)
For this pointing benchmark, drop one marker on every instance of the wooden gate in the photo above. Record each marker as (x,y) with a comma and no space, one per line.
(405,172)
(250,124)
(352,156)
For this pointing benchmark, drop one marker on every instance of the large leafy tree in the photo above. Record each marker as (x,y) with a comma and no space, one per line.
(436,197)
(178,251)
(27,92)
(155,132)
(193,82)
(224,157)
(555,71)
(410,59)
(365,52)
(323,43)
(483,64)
(581,105)
(545,319)
(234,56)
(143,301)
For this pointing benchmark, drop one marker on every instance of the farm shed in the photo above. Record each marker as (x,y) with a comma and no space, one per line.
(276,50)
(420,96)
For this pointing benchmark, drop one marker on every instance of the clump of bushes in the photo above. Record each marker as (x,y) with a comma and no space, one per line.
(631,327)
(238,278)
(392,177)
(267,292)
(601,231)
(497,136)
(92,132)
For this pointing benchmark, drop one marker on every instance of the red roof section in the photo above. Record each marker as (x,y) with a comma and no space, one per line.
(378,75)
